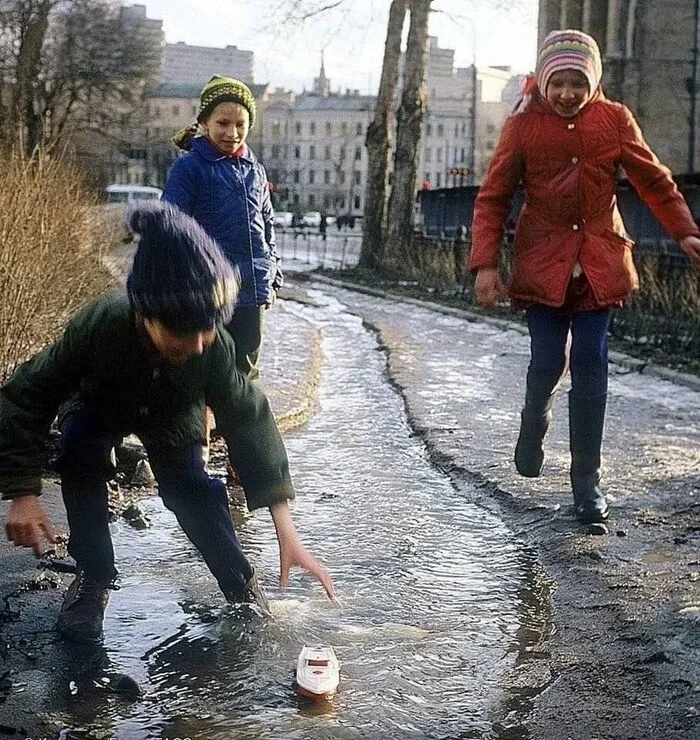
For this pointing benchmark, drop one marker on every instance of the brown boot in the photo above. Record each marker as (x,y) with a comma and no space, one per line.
(83,610)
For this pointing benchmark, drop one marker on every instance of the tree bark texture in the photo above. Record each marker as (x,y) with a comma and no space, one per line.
(409,130)
(379,140)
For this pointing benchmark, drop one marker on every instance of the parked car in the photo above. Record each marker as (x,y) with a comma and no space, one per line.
(311,218)
(283,219)
(116,201)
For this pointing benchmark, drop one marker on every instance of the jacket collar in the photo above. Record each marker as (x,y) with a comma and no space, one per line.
(206,149)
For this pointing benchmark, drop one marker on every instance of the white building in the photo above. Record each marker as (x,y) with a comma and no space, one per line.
(185,64)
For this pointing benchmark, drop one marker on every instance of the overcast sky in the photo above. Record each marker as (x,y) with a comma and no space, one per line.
(351,37)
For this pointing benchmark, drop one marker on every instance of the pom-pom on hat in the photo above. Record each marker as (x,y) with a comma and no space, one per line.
(225,90)
(179,274)
(568,49)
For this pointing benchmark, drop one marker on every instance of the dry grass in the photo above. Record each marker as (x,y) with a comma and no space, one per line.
(49,253)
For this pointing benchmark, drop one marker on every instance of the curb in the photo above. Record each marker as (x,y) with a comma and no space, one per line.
(619,358)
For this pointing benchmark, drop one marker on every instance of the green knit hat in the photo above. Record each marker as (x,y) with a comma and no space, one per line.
(225,90)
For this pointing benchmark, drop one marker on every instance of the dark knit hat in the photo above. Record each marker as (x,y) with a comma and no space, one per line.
(179,274)
(225,90)
(568,49)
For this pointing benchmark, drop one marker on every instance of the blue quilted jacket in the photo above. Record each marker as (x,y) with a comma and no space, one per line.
(229,197)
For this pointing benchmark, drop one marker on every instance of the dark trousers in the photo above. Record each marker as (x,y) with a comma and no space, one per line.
(586,356)
(199,502)
(246,328)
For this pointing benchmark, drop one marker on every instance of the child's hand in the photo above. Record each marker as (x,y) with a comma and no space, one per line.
(489,287)
(691,246)
(27,522)
(293,553)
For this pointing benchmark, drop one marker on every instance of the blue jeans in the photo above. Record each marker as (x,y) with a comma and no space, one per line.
(586,356)
(199,502)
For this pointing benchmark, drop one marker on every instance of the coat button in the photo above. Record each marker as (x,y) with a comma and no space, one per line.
(575,227)
(574,160)
(571,126)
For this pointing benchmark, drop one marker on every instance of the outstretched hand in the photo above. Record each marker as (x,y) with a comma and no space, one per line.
(26,522)
(691,246)
(295,554)
(489,288)
(292,551)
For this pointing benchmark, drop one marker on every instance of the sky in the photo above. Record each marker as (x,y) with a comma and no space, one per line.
(351,37)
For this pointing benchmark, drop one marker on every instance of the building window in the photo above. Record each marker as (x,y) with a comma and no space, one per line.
(312,128)
(456,130)
(296,176)
(312,152)
(312,201)
(275,151)
(327,153)
(463,157)
(428,154)
(295,199)
(297,152)
(344,128)
(429,129)
(438,179)
(298,127)
(329,128)
(312,177)
(342,204)
(342,153)
(441,130)
(426,176)
(358,202)
(358,129)
(464,129)
(326,201)
(357,177)
(341,177)
(276,128)
(439,154)
(358,153)
(326,177)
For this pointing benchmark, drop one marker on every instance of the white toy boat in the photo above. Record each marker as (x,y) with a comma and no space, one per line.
(318,672)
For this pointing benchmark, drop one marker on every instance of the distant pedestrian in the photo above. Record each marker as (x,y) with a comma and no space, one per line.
(146,361)
(460,243)
(323,226)
(221,184)
(572,258)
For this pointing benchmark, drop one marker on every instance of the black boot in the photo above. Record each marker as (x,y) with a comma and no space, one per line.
(535,419)
(586,417)
(83,610)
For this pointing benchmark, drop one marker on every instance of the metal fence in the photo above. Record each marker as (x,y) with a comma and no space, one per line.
(310,248)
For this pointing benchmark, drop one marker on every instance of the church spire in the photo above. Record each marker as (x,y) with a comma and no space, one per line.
(322,85)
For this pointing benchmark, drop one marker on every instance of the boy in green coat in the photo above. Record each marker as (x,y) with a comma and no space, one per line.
(147,363)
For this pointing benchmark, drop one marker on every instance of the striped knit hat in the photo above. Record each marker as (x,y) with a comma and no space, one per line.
(568,49)
(225,90)
(179,274)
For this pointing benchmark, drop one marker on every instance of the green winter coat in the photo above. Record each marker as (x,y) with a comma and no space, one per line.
(100,362)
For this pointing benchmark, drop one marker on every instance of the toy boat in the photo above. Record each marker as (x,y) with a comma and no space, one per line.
(318,672)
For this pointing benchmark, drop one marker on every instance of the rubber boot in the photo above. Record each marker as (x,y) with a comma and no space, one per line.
(586,417)
(535,419)
(83,610)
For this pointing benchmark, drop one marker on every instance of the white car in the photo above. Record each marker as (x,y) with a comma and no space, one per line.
(283,219)
(311,218)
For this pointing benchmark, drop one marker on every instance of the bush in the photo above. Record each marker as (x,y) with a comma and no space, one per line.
(49,256)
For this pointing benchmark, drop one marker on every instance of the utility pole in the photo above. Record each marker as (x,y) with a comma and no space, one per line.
(472,126)
(693,89)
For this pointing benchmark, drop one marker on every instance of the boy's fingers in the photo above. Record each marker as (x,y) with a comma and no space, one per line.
(49,531)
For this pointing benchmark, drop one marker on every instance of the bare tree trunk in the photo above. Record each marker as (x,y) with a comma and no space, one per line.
(408,136)
(28,68)
(379,140)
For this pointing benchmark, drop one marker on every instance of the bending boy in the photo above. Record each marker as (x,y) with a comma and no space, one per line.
(147,363)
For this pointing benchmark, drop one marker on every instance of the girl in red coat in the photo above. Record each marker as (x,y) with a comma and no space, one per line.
(572,257)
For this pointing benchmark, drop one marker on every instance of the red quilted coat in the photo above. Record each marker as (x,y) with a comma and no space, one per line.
(568,167)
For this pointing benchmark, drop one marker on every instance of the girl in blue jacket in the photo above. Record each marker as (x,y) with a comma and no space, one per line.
(221,184)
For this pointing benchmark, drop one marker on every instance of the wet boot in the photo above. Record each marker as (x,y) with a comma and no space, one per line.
(83,610)
(252,594)
(535,419)
(586,417)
